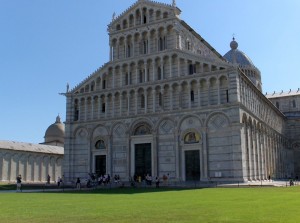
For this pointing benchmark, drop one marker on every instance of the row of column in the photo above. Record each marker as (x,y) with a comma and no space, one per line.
(31,169)
(142,16)
(150,101)
(134,46)
(153,70)
(257,105)
(265,157)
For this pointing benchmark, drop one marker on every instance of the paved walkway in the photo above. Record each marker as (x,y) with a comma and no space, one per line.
(170,184)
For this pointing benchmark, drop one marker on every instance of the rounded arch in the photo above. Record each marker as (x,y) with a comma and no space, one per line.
(189,121)
(190,136)
(100,130)
(244,119)
(138,123)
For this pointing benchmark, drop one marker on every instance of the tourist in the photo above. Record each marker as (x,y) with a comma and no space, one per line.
(108,179)
(100,180)
(48,179)
(19,183)
(157,182)
(58,181)
(78,183)
(165,179)
(148,180)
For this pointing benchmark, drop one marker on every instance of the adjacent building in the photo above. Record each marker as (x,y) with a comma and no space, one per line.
(34,161)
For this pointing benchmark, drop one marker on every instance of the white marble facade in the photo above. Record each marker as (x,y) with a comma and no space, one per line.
(169,97)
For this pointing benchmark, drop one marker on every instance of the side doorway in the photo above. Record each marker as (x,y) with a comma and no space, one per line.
(100,164)
(192,165)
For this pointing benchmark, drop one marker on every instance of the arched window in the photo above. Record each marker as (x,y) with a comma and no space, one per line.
(160,99)
(142,129)
(103,84)
(277,104)
(100,144)
(126,79)
(141,76)
(294,104)
(192,96)
(128,51)
(130,78)
(145,46)
(161,44)
(103,107)
(142,101)
(191,69)
(76,111)
(159,73)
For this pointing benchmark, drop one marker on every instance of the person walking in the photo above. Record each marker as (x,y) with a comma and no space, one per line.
(48,179)
(78,183)
(19,183)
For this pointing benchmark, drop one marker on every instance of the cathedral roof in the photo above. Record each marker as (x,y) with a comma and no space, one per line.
(283,94)
(29,147)
(236,56)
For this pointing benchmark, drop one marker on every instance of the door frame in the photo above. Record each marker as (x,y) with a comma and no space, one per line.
(141,140)
(184,167)
(105,162)
(195,146)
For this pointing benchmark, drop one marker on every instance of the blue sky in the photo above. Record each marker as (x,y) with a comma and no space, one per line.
(46,44)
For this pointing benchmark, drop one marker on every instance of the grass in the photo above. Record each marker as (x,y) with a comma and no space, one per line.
(154,205)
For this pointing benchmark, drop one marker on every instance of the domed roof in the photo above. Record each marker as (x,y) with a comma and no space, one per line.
(236,56)
(56,131)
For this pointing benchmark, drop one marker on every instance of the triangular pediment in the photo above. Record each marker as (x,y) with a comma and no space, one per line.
(137,10)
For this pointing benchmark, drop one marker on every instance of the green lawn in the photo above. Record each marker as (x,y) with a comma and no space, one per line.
(154,205)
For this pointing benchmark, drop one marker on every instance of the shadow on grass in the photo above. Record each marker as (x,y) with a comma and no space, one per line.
(128,190)
(53,188)
(31,187)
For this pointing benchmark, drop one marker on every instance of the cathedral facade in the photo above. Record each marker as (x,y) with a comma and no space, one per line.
(167,103)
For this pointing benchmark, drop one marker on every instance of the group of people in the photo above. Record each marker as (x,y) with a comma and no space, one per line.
(104,179)
(148,179)
(95,179)
(19,181)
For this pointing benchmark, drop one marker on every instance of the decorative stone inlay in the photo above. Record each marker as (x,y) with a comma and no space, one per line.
(166,127)
(217,122)
(119,131)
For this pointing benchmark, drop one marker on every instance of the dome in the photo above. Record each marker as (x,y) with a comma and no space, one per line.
(241,60)
(236,56)
(55,132)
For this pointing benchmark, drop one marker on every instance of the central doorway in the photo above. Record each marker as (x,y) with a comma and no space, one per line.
(100,164)
(192,165)
(142,159)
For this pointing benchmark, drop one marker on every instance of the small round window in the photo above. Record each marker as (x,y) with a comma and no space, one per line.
(100,144)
